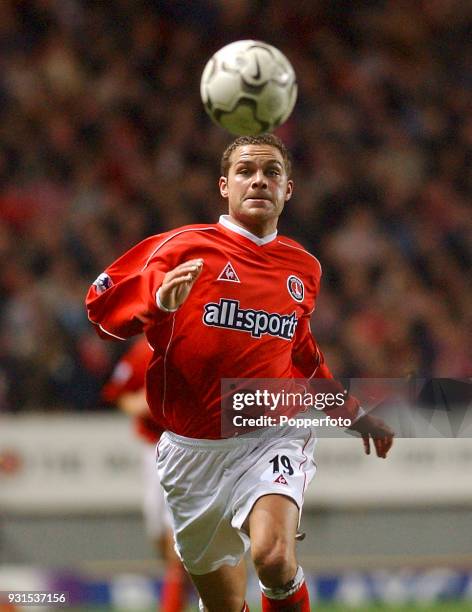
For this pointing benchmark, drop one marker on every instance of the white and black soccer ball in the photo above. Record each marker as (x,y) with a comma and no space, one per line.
(248,87)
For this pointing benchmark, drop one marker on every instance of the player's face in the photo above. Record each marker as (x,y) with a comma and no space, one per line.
(256,187)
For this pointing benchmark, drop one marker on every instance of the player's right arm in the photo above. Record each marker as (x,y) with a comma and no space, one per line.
(177,284)
(122,302)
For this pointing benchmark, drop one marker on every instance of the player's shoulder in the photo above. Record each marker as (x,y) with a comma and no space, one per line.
(299,252)
(183,233)
(175,239)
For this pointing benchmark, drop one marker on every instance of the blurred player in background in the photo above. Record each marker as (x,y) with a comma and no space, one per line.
(125,389)
(229,300)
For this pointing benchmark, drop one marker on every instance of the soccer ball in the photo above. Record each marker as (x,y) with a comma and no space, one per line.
(248,87)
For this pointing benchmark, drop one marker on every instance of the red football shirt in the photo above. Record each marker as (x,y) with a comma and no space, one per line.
(247,316)
(127,377)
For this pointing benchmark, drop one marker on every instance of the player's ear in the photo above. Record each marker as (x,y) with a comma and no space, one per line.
(223,183)
(289,191)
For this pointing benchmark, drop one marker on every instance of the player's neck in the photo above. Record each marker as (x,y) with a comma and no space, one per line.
(262,230)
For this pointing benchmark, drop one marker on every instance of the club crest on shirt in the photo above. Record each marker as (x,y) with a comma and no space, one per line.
(102,283)
(229,274)
(296,288)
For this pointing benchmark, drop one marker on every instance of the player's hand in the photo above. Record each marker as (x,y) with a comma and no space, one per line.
(178,282)
(372,427)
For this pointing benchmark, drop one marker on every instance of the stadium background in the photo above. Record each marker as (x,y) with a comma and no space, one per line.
(103,141)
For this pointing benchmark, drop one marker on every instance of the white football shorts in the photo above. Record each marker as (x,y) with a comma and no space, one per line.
(157,518)
(212,485)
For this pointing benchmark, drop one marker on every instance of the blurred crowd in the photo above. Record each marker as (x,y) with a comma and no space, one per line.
(104,141)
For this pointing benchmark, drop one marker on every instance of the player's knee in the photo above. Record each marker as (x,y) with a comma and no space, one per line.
(275,563)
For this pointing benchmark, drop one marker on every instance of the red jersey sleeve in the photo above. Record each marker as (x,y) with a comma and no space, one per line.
(122,300)
(309,362)
(307,357)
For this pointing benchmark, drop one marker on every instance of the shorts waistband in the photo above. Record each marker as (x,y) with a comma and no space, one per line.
(249,439)
(223,444)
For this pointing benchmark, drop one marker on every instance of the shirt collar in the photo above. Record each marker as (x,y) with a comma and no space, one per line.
(226,222)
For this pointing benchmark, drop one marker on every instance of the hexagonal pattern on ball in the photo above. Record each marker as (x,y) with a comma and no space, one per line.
(248,87)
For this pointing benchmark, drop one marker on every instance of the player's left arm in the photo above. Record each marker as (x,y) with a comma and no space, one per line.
(307,356)
(309,361)
(371,427)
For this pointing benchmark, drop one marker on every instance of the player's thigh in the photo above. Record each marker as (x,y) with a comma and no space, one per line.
(199,480)
(223,589)
(272,527)
(282,467)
